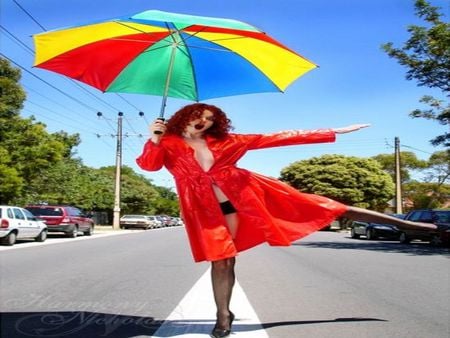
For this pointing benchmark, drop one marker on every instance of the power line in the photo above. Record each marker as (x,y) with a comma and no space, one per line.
(423,151)
(47,83)
(17,40)
(29,15)
(58,114)
(21,43)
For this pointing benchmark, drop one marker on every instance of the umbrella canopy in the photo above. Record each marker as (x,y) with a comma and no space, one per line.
(168,54)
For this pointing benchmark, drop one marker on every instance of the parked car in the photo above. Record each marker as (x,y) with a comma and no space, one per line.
(63,218)
(441,218)
(157,223)
(18,223)
(138,221)
(177,221)
(166,220)
(374,231)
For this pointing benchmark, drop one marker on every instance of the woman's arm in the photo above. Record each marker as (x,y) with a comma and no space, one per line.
(152,157)
(296,137)
(349,129)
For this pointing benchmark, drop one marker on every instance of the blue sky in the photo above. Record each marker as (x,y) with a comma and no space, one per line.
(356,82)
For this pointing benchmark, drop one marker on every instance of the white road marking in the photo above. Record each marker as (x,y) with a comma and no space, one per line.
(55,240)
(195,315)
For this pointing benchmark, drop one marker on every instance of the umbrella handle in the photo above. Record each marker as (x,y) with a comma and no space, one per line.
(157,132)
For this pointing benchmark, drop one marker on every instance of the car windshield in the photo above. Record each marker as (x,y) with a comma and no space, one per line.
(43,211)
(442,216)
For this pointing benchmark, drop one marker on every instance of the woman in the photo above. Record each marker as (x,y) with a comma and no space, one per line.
(227,209)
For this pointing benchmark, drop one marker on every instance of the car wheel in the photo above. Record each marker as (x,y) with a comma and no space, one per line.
(42,236)
(370,234)
(404,239)
(436,240)
(74,233)
(10,239)
(353,233)
(89,231)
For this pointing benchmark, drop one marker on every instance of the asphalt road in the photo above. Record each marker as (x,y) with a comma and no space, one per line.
(133,284)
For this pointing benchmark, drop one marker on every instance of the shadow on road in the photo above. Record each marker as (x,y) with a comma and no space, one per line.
(92,324)
(416,248)
(74,325)
(337,320)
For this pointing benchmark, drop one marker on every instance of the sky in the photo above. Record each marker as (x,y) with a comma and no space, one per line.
(356,81)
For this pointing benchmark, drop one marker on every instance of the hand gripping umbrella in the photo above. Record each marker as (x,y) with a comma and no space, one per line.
(168,54)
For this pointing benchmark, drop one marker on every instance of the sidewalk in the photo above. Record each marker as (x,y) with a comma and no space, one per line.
(105,228)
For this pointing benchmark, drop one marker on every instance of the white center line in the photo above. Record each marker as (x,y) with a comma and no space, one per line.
(194,316)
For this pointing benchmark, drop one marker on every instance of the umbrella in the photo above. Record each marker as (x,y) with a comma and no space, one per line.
(169,54)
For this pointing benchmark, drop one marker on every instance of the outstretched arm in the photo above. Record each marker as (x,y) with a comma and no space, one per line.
(349,129)
(295,137)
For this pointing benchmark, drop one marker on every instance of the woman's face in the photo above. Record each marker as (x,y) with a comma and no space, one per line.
(201,124)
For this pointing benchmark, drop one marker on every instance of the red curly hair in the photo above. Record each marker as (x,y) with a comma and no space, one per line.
(179,121)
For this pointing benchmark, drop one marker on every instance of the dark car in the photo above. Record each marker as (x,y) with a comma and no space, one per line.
(374,231)
(63,218)
(436,216)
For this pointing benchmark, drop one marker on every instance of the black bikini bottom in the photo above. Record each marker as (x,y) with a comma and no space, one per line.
(227,208)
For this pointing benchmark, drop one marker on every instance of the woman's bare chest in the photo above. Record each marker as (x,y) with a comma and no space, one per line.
(202,153)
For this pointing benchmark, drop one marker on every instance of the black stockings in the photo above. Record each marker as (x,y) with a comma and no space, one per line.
(223,277)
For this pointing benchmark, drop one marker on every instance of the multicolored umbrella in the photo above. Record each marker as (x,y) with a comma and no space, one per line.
(168,54)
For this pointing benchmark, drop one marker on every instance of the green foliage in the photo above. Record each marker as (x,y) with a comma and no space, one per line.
(12,95)
(27,149)
(426,195)
(408,161)
(350,180)
(139,195)
(37,166)
(438,169)
(426,55)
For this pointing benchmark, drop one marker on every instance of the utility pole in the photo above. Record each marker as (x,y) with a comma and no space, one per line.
(117,185)
(116,215)
(398,181)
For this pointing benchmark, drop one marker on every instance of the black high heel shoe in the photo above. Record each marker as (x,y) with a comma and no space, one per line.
(217,332)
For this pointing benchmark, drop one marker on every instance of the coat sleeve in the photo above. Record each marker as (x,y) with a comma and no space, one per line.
(287,138)
(152,157)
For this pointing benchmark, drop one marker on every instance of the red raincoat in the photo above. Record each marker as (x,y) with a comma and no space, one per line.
(268,210)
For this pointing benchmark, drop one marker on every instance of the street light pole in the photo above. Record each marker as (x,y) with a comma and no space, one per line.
(116,215)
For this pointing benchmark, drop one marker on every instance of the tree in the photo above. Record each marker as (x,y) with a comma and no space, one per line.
(408,161)
(426,55)
(139,195)
(26,148)
(426,195)
(167,204)
(350,180)
(439,167)
(432,191)
(12,95)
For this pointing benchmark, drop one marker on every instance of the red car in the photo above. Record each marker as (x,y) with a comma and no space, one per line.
(63,218)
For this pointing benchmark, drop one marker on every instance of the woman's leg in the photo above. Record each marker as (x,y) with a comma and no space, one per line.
(223,277)
(364,215)
(232,222)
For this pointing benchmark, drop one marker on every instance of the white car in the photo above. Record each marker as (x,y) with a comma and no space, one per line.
(18,223)
(156,222)
(137,221)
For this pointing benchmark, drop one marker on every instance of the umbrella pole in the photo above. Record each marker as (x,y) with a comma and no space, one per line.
(169,75)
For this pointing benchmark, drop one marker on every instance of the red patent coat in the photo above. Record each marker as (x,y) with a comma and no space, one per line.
(268,210)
